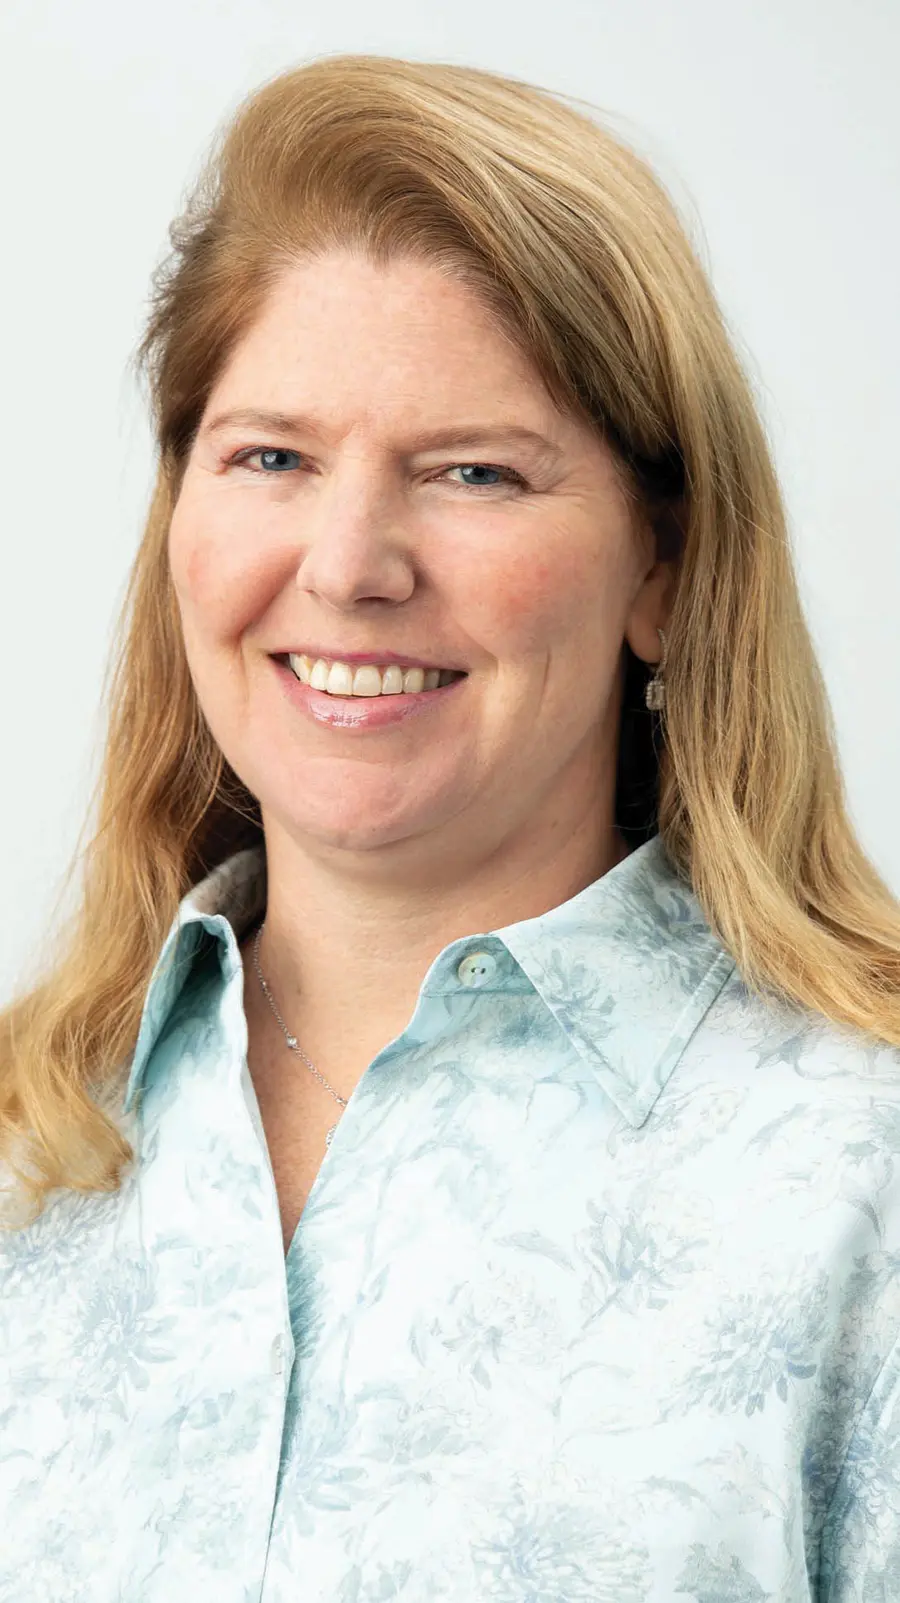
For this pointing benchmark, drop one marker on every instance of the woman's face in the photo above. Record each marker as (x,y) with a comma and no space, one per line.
(361,527)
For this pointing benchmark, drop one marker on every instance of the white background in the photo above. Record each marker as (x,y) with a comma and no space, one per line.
(775,124)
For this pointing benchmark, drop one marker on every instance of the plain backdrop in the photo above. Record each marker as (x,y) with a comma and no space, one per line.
(775,124)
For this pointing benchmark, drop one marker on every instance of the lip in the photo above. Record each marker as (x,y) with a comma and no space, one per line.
(357,713)
(378,658)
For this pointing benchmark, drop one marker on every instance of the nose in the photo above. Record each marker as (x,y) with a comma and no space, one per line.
(352,548)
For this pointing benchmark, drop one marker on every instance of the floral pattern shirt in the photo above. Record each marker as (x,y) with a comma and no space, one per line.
(595,1298)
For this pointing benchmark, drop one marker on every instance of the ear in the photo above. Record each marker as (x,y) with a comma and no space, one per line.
(650,611)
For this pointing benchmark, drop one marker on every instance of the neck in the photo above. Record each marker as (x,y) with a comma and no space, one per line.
(345,961)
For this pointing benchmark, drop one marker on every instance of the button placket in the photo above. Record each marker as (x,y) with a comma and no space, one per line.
(276,1355)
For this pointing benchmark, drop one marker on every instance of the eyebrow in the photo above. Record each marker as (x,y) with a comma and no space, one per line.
(463,434)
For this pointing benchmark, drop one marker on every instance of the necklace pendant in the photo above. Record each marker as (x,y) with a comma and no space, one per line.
(330,1134)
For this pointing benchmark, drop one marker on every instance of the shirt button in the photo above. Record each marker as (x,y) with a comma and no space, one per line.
(276,1356)
(478,968)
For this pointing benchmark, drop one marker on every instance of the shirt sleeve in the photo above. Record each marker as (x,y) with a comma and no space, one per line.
(860,1554)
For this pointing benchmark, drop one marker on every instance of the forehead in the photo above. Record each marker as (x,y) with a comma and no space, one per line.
(398,347)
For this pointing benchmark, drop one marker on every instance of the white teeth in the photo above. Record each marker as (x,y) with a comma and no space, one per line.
(339,679)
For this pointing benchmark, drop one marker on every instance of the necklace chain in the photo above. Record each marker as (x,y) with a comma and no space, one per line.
(292,1039)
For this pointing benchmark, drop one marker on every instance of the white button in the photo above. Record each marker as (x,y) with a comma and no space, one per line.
(277,1355)
(478,968)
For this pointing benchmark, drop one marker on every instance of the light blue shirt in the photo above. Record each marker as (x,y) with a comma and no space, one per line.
(595,1298)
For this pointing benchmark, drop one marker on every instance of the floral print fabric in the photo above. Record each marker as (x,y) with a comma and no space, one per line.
(595,1299)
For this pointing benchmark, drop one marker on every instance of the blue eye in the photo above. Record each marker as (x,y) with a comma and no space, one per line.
(482,467)
(273,451)
(272,458)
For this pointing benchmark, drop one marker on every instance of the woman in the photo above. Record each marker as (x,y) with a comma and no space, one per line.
(453,1153)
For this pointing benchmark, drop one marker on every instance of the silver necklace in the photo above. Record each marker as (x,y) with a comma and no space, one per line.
(292,1039)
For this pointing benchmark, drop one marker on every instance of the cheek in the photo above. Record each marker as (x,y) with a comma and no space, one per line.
(560,597)
(509,602)
(219,585)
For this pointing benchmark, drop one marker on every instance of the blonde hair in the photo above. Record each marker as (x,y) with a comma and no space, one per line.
(578,250)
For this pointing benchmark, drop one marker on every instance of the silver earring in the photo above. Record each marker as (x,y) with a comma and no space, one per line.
(655,693)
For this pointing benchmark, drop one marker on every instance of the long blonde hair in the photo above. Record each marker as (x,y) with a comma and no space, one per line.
(579,252)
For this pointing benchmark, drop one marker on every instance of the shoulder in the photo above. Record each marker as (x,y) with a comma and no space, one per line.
(796,1120)
(782,1047)
(810,1111)
(816,1110)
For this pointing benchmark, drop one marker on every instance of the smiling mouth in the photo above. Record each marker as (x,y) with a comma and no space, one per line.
(369,682)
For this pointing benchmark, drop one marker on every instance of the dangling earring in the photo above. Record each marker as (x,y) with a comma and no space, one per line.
(655,693)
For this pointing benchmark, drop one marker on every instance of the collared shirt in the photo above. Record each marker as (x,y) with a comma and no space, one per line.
(595,1298)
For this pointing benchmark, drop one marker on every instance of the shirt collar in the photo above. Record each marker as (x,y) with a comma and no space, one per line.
(223,905)
(629,966)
